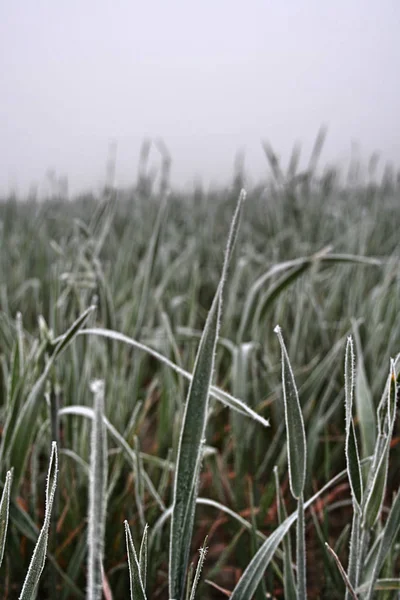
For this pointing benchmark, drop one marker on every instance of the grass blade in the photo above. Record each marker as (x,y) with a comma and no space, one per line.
(192,434)
(4,513)
(351,448)
(97,495)
(136,583)
(143,556)
(39,554)
(215,392)
(296,437)
(342,572)
(202,557)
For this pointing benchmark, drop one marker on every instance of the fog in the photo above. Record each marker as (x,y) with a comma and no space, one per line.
(210,78)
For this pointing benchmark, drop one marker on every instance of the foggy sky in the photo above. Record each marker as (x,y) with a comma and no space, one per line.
(209,77)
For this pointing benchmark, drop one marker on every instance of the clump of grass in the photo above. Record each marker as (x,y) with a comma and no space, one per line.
(315,266)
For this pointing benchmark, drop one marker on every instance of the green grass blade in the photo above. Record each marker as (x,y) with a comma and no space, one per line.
(136,583)
(97,495)
(143,556)
(39,554)
(296,437)
(351,447)
(4,513)
(192,434)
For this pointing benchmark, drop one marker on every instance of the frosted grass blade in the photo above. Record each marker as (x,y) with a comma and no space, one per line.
(342,572)
(136,583)
(353,469)
(4,513)
(192,434)
(39,554)
(143,556)
(296,437)
(351,448)
(215,392)
(97,495)
(202,557)
(377,486)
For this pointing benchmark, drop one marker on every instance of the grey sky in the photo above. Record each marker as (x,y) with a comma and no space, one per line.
(209,76)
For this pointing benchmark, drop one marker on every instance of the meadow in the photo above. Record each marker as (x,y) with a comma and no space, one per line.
(206,364)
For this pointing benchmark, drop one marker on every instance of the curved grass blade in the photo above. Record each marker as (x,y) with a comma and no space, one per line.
(296,267)
(4,513)
(97,495)
(39,553)
(192,433)
(215,392)
(136,583)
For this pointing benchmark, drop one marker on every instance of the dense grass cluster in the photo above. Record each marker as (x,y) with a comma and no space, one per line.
(103,313)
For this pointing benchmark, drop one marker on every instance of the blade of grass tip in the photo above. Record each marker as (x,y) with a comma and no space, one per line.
(192,433)
(39,554)
(4,513)
(97,495)
(296,437)
(143,556)
(389,536)
(136,583)
(342,572)
(202,557)
(297,458)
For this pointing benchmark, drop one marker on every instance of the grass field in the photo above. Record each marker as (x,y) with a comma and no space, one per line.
(320,260)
